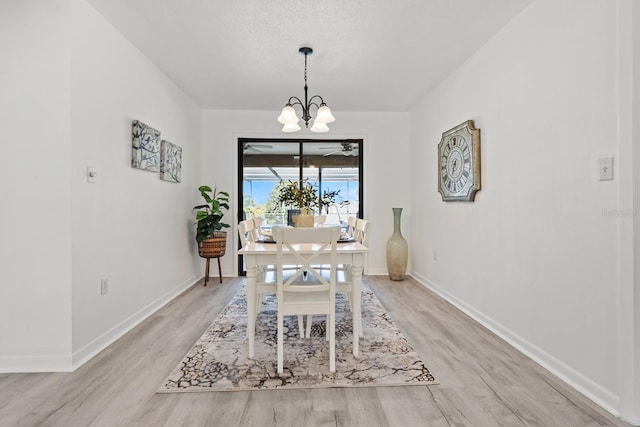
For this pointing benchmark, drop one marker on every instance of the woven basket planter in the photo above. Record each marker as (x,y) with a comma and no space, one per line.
(213,246)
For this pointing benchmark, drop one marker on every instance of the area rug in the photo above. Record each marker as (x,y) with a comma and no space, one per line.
(219,359)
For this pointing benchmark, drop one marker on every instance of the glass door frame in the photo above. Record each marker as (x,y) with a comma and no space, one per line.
(240,147)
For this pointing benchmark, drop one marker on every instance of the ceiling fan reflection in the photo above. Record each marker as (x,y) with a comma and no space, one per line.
(345,150)
(256,148)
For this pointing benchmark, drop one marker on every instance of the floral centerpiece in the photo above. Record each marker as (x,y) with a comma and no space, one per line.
(302,195)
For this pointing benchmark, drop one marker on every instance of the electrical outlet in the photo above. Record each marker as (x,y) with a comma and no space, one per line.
(435,255)
(104,286)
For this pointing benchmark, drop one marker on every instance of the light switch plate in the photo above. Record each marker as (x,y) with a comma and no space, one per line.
(92,173)
(605,166)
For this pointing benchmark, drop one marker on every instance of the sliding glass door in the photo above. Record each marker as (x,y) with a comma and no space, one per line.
(332,167)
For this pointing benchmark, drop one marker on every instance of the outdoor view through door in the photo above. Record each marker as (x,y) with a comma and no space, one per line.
(332,167)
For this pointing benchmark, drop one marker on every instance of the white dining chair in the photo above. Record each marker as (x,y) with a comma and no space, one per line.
(344,281)
(317,294)
(351,225)
(257,224)
(264,286)
(245,232)
(361,231)
(319,220)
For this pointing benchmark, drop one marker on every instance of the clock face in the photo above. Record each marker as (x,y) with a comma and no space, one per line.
(459,167)
(456,164)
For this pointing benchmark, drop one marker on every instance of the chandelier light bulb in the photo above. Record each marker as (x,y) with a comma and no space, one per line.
(288,116)
(290,127)
(324,115)
(319,127)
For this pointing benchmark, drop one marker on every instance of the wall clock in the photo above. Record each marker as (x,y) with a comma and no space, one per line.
(459,163)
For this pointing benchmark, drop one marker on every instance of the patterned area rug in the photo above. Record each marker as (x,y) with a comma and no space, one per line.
(219,359)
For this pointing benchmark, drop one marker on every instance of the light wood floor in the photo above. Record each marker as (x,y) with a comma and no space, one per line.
(483,381)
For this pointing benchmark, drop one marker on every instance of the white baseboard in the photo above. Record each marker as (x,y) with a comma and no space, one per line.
(87,352)
(595,392)
(71,362)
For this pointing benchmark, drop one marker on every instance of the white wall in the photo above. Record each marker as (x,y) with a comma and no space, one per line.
(130,227)
(386,175)
(35,159)
(536,256)
(629,13)
(71,85)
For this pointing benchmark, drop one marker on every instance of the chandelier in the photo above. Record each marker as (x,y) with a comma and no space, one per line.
(288,116)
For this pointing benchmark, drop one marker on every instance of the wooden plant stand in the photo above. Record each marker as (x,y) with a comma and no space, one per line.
(213,247)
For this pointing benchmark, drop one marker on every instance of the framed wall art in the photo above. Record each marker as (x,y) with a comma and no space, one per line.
(170,161)
(459,163)
(145,147)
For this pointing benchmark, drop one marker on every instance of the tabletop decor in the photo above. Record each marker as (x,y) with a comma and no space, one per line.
(211,241)
(397,249)
(301,195)
(219,361)
(459,163)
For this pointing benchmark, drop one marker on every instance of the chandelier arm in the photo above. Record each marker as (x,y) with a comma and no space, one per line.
(316,96)
(298,102)
(305,109)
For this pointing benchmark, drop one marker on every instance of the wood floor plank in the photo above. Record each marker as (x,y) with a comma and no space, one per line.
(410,406)
(483,380)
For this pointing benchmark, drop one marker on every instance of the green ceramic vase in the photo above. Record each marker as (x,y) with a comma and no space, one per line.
(397,249)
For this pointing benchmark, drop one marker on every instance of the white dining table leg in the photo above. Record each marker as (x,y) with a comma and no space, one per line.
(357,269)
(251,302)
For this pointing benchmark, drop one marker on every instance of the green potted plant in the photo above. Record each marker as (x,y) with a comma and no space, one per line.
(212,242)
(209,215)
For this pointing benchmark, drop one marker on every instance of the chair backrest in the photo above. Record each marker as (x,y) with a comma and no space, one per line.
(362,228)
(351,225)
(246,232)
(306,244)
(257,223)
(319,219)
(251,230)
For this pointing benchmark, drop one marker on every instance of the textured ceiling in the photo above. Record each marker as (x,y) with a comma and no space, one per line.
(369,55)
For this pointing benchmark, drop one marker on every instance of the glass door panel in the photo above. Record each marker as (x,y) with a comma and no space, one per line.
(332,167)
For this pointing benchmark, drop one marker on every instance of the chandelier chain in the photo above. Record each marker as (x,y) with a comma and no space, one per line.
(305,69)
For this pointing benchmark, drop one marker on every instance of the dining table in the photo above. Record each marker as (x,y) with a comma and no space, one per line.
(260,253)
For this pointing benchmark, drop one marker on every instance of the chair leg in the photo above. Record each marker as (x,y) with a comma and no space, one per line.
(309,322)
(219,270)
(332,342)
(206,272)
(326,331)
(259,301)
(280,343)
(301,327)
